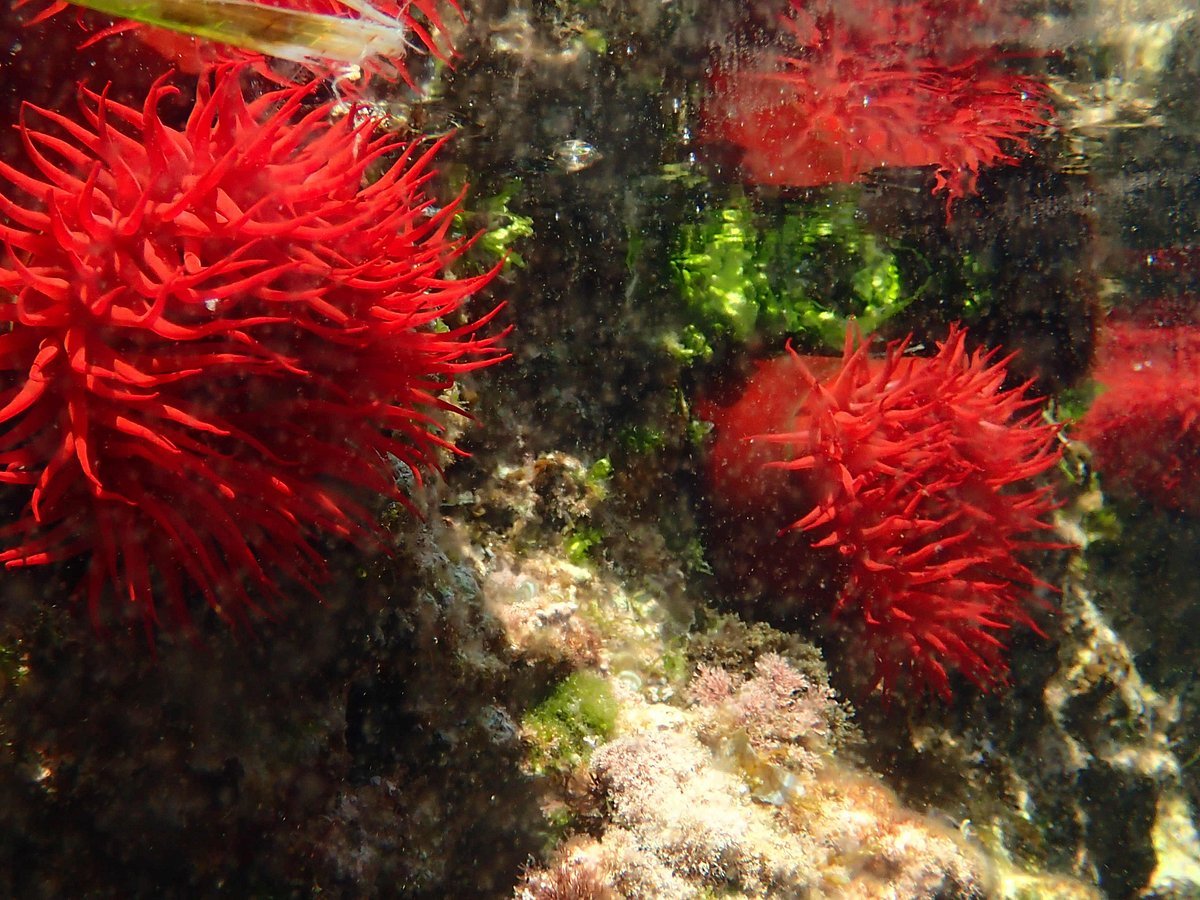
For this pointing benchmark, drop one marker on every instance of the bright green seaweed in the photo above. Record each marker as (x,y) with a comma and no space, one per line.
(803,272)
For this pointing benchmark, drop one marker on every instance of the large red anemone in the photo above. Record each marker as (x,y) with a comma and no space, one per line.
(901,486)
(218,341)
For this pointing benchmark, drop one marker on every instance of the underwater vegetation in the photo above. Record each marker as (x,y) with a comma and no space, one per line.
(221,342)
(563,729)
(881,84)
(741,794)
(817,268)
(901,486)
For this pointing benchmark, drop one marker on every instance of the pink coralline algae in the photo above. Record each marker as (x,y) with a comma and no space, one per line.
(219,342)
(878,84)
(901,486)
(1143,429)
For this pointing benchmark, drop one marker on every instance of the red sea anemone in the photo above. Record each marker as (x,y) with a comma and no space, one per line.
(1144,427)
(871,87)
(219,340)
(900,484)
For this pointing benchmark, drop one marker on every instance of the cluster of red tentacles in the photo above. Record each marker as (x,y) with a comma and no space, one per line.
(902,484)
(876,84)
(1143,429)
(220,340)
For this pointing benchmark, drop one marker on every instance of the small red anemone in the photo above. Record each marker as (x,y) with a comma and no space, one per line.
(865,90)
(902,485)
(1144,427)
(218,341)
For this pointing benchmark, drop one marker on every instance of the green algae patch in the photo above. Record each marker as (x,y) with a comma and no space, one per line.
(805,271)
(718,274)
(564,729)
(491,229)
(582,543)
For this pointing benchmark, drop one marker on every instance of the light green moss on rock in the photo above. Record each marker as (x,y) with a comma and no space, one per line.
(564,729)
(803,271)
